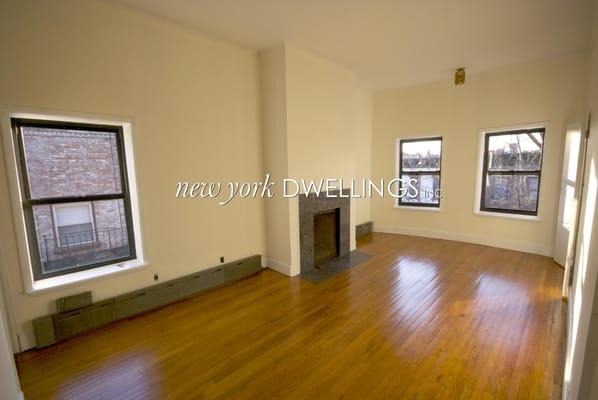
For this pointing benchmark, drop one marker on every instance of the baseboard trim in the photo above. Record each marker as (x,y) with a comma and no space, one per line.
(20,396)
(278,266)
(525,247)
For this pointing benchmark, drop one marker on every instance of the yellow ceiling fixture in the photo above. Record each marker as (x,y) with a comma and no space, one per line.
(459,76)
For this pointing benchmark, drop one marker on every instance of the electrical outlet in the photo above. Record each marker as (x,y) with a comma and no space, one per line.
(221,259)
(156,277)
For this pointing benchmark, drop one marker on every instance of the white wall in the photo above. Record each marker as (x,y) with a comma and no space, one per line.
(581,369)
(274,127)
(327,135)
(551,91)
(194,102)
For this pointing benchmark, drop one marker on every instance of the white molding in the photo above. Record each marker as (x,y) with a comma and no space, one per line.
(533,218)
(44,286)
(516,245)
(20,396)
(278,266)
(416,208)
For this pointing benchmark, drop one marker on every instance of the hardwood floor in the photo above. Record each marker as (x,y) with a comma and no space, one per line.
(422,319)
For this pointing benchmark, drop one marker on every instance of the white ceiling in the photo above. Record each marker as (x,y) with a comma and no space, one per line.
(395,43)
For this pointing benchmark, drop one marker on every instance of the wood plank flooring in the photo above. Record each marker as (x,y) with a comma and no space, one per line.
(422,319)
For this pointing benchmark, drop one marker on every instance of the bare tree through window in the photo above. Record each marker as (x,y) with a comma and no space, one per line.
(420,159)
(512,171)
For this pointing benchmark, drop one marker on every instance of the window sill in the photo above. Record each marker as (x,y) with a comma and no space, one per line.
(417,208)
(533,218)
(45,285)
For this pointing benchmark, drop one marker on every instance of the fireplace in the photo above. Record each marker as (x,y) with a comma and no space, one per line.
(326,236)
(324,228)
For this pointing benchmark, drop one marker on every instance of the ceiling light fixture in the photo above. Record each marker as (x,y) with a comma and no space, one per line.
(459,76)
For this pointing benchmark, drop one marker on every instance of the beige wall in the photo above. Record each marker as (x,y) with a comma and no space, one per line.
(195,106)
(551,91)
(320,129)
(330,117)
(363,147)
(321,114)
(581,365)
(320,108)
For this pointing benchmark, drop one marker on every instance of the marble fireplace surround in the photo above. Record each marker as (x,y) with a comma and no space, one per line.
(312,204)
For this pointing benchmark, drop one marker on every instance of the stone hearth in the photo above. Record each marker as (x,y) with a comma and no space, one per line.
(311,205)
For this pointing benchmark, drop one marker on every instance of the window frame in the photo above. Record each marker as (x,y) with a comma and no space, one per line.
(27,203)
(400,202)
(485,173)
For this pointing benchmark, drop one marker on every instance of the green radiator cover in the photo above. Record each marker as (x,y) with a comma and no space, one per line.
(76,314)
(200,281)
(43,328)
(74,302)
(242,268)
(72,323)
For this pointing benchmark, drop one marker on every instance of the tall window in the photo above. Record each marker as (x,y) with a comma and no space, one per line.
(511,171)
(419,170)
(75,195)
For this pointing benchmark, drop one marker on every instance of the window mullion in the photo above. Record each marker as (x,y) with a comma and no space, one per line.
(73,199)
(513,172)
(435,172)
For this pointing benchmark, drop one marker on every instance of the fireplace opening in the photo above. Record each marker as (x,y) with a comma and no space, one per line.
(326,236)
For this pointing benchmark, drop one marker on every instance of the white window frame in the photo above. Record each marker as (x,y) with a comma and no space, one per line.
(66,205)
(30,285)
(480,171)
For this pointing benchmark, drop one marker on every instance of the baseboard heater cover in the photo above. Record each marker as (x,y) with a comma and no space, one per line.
(70,321)
(364,229)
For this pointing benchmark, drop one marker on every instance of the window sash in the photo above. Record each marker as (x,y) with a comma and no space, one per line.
(512,172)
(418,171)
(28,203)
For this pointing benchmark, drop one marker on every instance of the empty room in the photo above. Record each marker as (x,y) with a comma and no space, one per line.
(342,199)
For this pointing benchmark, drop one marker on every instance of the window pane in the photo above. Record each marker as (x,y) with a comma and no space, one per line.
(512,192)
(518,152)
(68,162)
(66,241)
(421,155)
(426,188)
